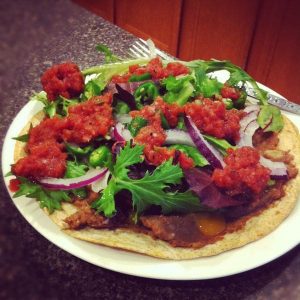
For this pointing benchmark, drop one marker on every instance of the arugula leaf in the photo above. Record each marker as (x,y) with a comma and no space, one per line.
(178,89)
(22,138)
(51,199)
(237,75)
(147,191)
(270,118)
(109,56)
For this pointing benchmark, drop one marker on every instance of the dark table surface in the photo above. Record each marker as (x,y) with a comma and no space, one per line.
(35,35)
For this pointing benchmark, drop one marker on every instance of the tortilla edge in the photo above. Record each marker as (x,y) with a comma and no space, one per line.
(255,228)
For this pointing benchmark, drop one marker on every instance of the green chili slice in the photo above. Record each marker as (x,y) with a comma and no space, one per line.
(136,124)
(141,77)
(144,91)
(101,157)
(193,153)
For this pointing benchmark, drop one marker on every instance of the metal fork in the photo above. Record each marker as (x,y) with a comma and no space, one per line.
(142,48)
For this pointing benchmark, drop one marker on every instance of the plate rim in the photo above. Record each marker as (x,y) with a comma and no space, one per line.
(125,270)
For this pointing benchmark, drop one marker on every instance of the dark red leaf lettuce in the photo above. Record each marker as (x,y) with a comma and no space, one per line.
(201,184)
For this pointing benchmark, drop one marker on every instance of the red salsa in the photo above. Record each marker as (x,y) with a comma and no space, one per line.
(63,80)
(89,120)
(230,92)
(211,117)
(155,68)
(14,185)
(152,113)
(85,122)
(153,135)
(242,171)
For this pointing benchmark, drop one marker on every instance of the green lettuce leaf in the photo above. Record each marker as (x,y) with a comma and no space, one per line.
(179,90)
(95,86)
(75,169)
(51,108)
(270,118)
(206,86)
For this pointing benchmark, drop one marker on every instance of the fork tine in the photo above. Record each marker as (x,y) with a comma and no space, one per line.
(133,53)
(145,49)
(158,52)
(139,50)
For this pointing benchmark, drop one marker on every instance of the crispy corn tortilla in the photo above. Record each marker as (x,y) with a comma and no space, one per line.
(254,228)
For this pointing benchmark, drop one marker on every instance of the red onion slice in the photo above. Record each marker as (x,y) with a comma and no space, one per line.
(252,108)
(246,135)
(251,116)
(101,183)
(177,136)
(278,169)
(74,183)
(248,126)
(209,152)
(121,134)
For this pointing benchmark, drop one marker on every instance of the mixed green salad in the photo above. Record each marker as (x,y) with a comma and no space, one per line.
(157,174)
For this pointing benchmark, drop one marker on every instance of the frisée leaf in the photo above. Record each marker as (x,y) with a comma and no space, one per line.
(127,157)
(50,199)
(147,191)
(106,203)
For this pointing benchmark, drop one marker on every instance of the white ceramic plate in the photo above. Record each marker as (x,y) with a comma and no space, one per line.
(234,261)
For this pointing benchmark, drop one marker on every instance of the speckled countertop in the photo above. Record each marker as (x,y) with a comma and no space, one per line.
(35,35)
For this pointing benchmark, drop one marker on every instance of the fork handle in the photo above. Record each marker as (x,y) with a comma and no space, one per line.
(284,104)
